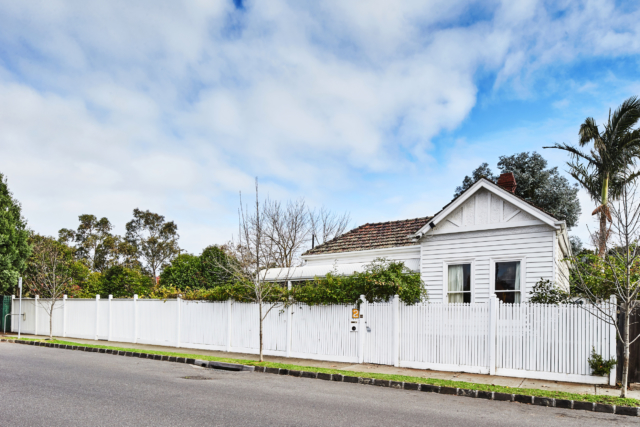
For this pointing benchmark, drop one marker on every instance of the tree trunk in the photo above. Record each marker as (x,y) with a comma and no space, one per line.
(51,322)
(260,307)
(625,354)
(603,217)
(602,240)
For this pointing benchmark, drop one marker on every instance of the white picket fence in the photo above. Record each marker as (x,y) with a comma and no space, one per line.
(519,340)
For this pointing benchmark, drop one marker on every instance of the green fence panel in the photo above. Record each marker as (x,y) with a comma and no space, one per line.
(5,309)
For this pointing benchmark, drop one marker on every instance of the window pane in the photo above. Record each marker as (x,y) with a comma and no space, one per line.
(466,269)
(508,276)
(459,278)
(456,298)
(459,297)
(509,297)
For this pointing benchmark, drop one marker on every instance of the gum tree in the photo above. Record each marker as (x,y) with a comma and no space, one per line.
(155,240)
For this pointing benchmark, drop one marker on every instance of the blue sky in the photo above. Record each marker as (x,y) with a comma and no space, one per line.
(377,108)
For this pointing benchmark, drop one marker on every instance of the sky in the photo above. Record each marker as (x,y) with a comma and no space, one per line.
(376,108)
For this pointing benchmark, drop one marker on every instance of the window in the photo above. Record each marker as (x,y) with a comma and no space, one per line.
(459,286)
(508,281)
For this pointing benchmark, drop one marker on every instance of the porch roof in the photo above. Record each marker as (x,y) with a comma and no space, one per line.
(308,272)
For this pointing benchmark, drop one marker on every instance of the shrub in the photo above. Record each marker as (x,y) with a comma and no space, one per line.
(122,282)
(544,292)
(185,271)
(209,270)
(216,266)
(598,365)
(380,281)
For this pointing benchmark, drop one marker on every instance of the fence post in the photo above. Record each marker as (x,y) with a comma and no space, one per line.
(13,300)
(179,302)
(64,316)
(35,315)
(613,340)
(97,315)
(289,319)
(229,327)
(361,330)
(135,318)
(493,323)
(110,315)
(396,330)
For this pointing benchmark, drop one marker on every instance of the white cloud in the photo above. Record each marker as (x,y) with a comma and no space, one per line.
(174,107)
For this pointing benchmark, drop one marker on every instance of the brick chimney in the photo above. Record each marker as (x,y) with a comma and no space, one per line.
(508,182)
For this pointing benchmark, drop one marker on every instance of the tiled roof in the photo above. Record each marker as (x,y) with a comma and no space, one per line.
(373,236)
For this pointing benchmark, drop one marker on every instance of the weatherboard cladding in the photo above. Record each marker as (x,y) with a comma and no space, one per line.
(373,236)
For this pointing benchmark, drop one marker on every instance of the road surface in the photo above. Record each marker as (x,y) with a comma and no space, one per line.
(42,386)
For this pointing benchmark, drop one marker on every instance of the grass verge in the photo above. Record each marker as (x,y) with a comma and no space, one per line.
(610,400)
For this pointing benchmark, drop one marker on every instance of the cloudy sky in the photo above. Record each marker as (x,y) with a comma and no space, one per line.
(378,108)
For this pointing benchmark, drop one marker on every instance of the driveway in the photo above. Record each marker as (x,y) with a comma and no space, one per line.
(53,387)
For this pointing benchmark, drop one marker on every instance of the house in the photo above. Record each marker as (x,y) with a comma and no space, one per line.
(485,241)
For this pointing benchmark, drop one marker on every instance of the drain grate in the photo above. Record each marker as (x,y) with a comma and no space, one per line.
(197,377)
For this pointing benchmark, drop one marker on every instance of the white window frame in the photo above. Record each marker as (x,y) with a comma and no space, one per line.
(445,277)
(523,275)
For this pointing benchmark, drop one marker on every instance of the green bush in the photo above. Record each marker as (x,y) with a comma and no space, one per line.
(185,271)
(380,281)
(600,366)
(216,266)
(122,282)
(544,292)
(209,270)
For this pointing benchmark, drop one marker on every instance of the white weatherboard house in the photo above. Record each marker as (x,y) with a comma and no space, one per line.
(485,241)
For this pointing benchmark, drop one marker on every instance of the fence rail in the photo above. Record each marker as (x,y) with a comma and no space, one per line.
(522,340)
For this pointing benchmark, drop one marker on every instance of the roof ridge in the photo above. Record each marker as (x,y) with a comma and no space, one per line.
(399,220)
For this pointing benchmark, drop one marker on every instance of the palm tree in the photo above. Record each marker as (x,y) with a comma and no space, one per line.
(614,150)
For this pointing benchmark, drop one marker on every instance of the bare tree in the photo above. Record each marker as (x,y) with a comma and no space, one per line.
(292,228)
(326,225)
(288,230)
(255,251)
(49,273)
(617,273)
(271,238)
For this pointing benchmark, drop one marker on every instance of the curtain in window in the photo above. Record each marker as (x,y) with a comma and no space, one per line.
(456,283)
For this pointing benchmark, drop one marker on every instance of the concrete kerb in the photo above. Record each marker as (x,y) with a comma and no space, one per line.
(480,394)
(430,388)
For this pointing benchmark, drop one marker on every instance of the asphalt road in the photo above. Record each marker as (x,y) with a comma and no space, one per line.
(52,387)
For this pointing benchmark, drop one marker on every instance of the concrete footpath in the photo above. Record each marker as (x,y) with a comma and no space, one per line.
(378,369)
